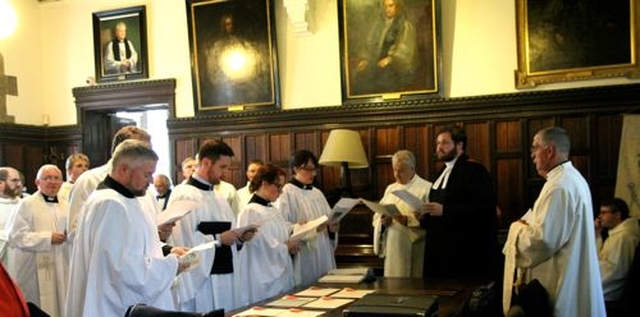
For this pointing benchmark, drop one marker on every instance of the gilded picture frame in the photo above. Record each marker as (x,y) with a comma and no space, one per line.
(120,44)
(390,49)
(577,40)
(233,55)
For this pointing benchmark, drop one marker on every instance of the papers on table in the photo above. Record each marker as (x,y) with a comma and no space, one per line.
(385,210)
(328,303)
(347,275)
(280,312)
(414,202)
(290,301)
(261,311)
(342,208)
(300,231)
(348,292)
(176,210)
(315,291)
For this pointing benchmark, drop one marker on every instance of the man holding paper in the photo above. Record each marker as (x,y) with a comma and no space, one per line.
(460,217)
(215,283)
(117,259)
(399,239)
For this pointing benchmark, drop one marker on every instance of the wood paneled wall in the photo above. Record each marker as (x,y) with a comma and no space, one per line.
(26,148)
(499,128)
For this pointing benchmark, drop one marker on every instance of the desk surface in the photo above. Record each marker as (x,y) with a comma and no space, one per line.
(452,294)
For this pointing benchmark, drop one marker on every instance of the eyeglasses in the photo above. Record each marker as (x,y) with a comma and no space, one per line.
(309,169)
(278,185)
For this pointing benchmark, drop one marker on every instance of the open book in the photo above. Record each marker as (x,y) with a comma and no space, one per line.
(347,275)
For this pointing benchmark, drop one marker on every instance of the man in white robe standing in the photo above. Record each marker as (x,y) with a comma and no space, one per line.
(300,202)
(117,259)
(38,255)
(555,240)
(215,283)
(402,239)
(10,190)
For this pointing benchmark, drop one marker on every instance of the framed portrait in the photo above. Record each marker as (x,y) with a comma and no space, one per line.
(574,40)
(390,49)
(233,54)
(120,44)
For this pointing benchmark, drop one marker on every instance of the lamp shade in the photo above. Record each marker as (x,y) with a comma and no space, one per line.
(344,146)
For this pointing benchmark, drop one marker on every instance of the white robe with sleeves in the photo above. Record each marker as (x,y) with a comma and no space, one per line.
(117,259)
(198,290)
(39,268)
(316,256)
(558,245)
(266,268)
(403,245)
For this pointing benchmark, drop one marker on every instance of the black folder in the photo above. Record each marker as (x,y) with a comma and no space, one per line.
(374,305)
(223,262)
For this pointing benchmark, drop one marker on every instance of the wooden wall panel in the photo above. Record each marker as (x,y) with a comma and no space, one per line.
(508,179)
(509,137)
(500,130)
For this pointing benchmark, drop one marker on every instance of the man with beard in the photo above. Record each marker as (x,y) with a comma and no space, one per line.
(460,218)
(215,283)
(10,190)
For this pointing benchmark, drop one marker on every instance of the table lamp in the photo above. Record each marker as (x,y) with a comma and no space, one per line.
(344,148)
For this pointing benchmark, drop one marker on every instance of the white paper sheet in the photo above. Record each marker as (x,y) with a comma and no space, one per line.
(315,291)
(385,210)
(328,303)
(175,211)
(342,208)
(302,230)
(414,202)
(349,292)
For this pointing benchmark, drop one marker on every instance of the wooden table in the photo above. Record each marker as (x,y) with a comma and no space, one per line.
(452,294)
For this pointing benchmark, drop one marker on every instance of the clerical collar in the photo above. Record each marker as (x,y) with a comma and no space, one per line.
(164,195)
(259,200)
(109,182)
(197,182)
(49,199)
(298,184)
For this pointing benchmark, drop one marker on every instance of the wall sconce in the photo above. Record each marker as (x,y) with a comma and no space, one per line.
(344,148)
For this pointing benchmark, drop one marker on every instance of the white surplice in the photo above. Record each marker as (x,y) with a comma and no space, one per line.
(403,245)
(198,290)
(266,269)
(229,193)
(39,268)
(84,186)
(244,195)
(7,208)
(558,245)
(117,259)
(316,256)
